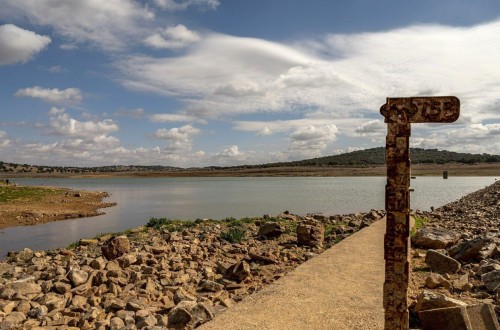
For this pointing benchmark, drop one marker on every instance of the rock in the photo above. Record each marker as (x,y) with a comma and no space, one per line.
(441,263)
(311,233)
(24,288)
(23,307)
(435,281)
(98,263)
(434,238)
(452,318)
(429,300)
(38,312)
(116,323)
(145,321)
(189,313)
(78,277)
(15,318)
(126,260)
(8,307)
(238,271)
(492,280)
(211,286)
(87,242)
(461,283)
(180,315)
(203,313)
(182,295)
(467,249)
(271,230)
(487,251)
(62,287)
(116,247)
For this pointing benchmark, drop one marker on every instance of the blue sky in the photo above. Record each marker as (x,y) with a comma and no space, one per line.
(227,82)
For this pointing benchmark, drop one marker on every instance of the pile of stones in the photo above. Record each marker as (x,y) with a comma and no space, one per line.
(166,277)
(459,248)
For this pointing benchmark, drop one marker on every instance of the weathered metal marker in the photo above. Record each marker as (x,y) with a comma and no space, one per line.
(399,113)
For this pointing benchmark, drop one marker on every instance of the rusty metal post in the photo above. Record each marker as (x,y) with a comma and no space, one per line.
(399,113)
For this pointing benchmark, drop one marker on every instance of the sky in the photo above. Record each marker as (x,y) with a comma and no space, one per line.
(229,82)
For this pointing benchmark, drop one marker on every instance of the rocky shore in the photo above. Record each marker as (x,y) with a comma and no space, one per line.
(456,256)
(165,275)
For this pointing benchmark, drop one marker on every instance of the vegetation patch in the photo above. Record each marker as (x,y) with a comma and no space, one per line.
(169,224)
(419,223)
(10,193)
(233,234)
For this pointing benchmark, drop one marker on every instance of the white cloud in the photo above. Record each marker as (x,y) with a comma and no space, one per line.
(372,127)
(175,117)
(54,95)
(173,37)
(68,46)
(311,140)
(178,139)
(4,141)
(230,152)
(61,123)
(18,45)
(108,24)
(174,5)
(56,69)
(344,77)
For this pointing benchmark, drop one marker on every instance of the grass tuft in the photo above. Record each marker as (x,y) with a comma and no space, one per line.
(233,234)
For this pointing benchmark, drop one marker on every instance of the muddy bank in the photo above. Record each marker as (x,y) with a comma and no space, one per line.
(30,205)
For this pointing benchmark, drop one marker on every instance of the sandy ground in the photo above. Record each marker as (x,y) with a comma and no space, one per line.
(59,204)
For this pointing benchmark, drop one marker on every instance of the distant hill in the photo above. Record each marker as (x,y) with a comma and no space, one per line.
(25,168)
(360,158)
(376,156)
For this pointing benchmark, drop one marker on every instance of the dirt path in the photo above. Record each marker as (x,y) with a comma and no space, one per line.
(339,289)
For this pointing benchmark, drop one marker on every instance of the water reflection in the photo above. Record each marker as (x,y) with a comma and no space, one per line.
(190,198)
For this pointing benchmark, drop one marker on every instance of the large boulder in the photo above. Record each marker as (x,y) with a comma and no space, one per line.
(441,263)
(238,271)
(469,249)
(311,233)
(78,277)
(24,288)
(189,314)
(271,230)
(434,238)
(430,300)
(116,247)
(492,280)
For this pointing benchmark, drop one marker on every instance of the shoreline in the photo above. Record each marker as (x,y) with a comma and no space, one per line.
(184,273)
(454,169)
(34,205)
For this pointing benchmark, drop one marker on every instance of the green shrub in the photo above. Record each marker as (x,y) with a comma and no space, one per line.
(169,224)
(233,234)
(157,223)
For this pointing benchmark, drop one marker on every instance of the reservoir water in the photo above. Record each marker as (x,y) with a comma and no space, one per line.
(190,198)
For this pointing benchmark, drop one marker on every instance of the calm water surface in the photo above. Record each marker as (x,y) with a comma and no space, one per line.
(191,198)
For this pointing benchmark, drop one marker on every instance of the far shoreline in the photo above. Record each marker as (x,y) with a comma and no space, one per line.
(453,169)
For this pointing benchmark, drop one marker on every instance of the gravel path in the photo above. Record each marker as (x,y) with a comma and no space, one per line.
(341,288)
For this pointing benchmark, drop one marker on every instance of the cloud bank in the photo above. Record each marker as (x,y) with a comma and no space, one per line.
(54,95)
(18,45)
